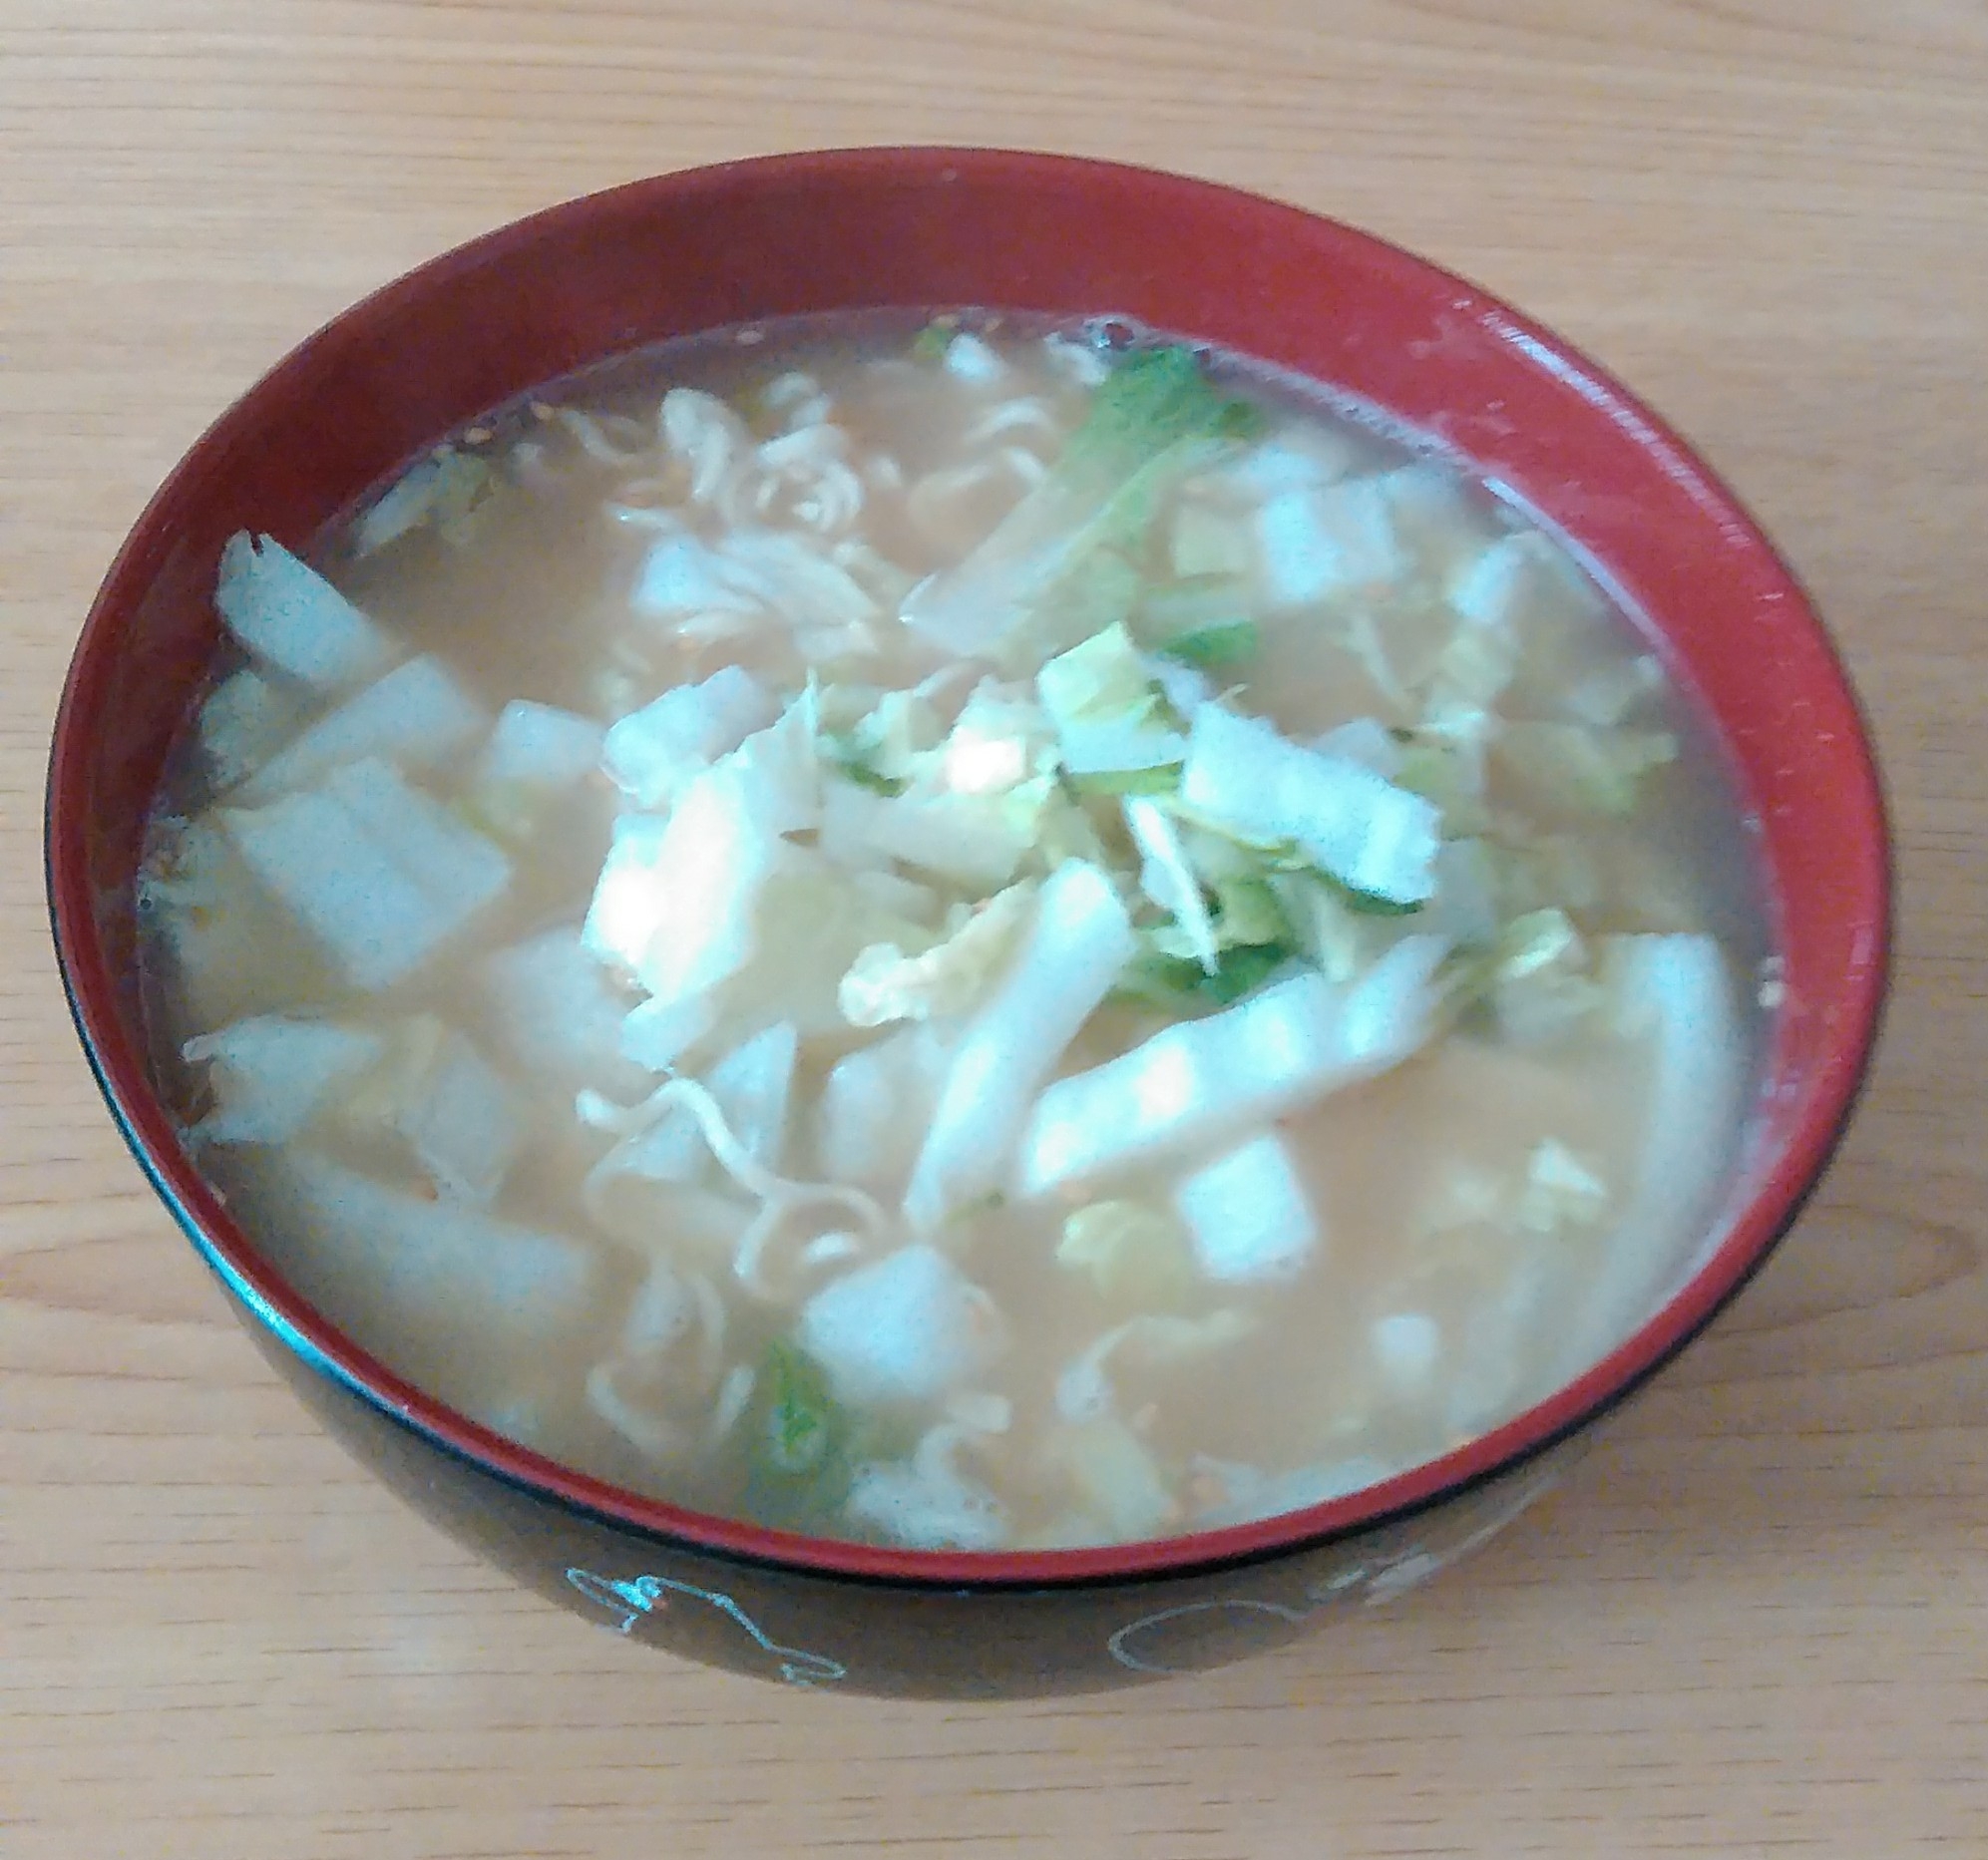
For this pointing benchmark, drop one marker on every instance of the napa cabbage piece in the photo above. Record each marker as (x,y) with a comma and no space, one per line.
(1200,620)
(436,1093)
(448,492)
(270,1074)
(675,902)
(1518,579)
(244,721)
(1195,1084)
(419,1267)
(752,574)
(1115,730)
(417,715)
(536,755)
(1079,940)
(1168,878)
(380,875)
(885,983)
(1562,1193)
(751,1085)
(1134,1253)
(1321,542)
(1251,1220)
(907,1327)
(655,752)
(1541,981)
(292,621)
(875,1105)
(977,842)
(1674,993)
(1000,741)
(1153,419)
(555,1011)
(1247,779)
(1120,1490)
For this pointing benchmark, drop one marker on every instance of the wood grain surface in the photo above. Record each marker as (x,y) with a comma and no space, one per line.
(1756,1622)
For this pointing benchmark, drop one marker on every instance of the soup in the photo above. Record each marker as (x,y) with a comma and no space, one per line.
(963,935)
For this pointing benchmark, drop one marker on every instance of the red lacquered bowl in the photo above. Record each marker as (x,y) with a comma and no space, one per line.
(925,226)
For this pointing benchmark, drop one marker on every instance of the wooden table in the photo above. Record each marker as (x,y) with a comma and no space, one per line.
(1758,1619)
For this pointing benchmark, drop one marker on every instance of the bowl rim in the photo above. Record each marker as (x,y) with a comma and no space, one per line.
(1752,1230)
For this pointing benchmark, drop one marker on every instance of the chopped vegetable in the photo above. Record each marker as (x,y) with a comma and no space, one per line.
(1085,1391)
(1179,983)
(1112,721)
(1120,1490)
(448,492)
(1561,1191)
(804,1425)
(976,841)
(556,1010)
(1069,957)
(1208,541)
(379,874)
(1244,777)
(653,754)
(1542,987)
(1149,422)
(245,719)
(874,1107)
(751,1086)
(1194,1084)
(906,1328)
(536,754)
(446,1104)
(1250,1217)
(1133,1253)
(421,1266)
(1169,881)
(885,984)
(270,1075)
(291,619)
(417,716)
(1323,542)
(1674,993)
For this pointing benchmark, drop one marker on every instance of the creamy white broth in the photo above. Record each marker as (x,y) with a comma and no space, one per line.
(1469,1213)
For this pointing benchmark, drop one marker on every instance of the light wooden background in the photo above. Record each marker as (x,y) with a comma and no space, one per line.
(1756,1622)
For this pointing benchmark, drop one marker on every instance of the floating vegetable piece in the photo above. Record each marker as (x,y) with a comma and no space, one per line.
(1249,1214)
(884,983)
(1070,955)
(417,716)
(379,874)
(906,1328)
(1144,425)
(1194,1084)
(1133,1253)
(291,617)
(655,752)
(271,1073)
(1169,881)
(1245,778)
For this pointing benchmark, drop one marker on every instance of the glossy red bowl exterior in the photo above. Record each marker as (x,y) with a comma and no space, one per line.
(928,227)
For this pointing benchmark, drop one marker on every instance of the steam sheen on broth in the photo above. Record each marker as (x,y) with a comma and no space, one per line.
(957,937)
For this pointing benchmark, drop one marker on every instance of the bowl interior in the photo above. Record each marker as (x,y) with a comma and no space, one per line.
(930,228)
